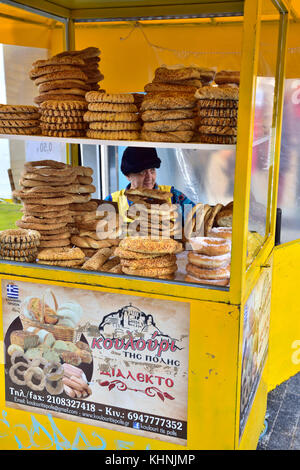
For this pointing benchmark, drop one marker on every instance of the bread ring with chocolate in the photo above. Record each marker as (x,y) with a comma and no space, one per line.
(200,273)
(210,246)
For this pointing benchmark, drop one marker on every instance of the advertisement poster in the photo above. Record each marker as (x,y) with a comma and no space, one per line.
(107,359)
(255,342)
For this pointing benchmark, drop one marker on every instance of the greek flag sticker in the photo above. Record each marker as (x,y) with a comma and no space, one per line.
(12,291)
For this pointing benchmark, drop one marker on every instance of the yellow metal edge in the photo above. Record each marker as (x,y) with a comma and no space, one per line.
(112,282)
(254,270)
(241,196)
(43,6)
(184,9)
(278,111)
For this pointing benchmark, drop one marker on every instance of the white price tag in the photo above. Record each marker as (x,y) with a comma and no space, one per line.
(45,150)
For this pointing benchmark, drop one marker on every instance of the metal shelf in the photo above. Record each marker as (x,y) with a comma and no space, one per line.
(132,143)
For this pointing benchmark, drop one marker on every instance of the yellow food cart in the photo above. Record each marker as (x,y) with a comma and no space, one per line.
(198,378)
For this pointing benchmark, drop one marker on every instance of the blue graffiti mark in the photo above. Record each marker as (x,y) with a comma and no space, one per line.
(56,438)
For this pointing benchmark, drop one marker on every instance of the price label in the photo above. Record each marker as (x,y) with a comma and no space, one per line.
(41,150)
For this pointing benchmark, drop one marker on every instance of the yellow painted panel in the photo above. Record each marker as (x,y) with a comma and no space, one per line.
(212,372)
(284,347)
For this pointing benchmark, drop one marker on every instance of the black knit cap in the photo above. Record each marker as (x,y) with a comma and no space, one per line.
(136,159)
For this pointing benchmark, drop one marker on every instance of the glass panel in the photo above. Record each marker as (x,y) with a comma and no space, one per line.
(263,151)
(289,172)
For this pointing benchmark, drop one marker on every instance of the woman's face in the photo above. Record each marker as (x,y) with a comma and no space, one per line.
(144,179)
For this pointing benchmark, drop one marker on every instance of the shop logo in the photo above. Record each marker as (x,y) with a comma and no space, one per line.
(131,329)
(12,291)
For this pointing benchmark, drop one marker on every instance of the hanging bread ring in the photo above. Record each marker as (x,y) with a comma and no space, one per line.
(17,373)
(55,387)
(35,378)
(54,371)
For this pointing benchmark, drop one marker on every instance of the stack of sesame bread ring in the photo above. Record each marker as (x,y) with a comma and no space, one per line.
(59,79)
(47,189)
(217,108)
(179,79)
(168,117)
(19,119)
(112,116)
(152,214)
(19,245)
(63,118)
(150,258)
(90,56)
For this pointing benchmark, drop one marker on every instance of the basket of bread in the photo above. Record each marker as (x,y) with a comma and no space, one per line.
(60,320)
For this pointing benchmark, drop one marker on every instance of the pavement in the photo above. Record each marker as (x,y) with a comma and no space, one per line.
(282,425)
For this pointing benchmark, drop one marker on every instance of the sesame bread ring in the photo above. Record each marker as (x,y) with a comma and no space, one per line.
(175,136)
(169,101)
(20,116)
(62,263)
(217,130)
(66,60)
(19,235)
(158,262)
(201,273)
(214,93)
(113,107)
(216,112)
(217,121)
(40,220)
(39,226)
(62,254)
(19,123)
(47,215)
(56,84)
(18,253)
(67,105)
(26,246)
(210,246)
(57,242)
(93,116)
(20,130)
(56,72)
(113,135)
(59,97)
(212,282)
(162,115)
(115,126)
(18,108)
(62,119)
(98,97)
(209,262)
(63,91)
(44,208)
(216,139)
(62,236)
(145,245)
(150,272)
(63,126)
(63,133)
(170,125)
(133,255)
(218,103)
(220,232)
(46,113)
(21,259)
(158,87)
